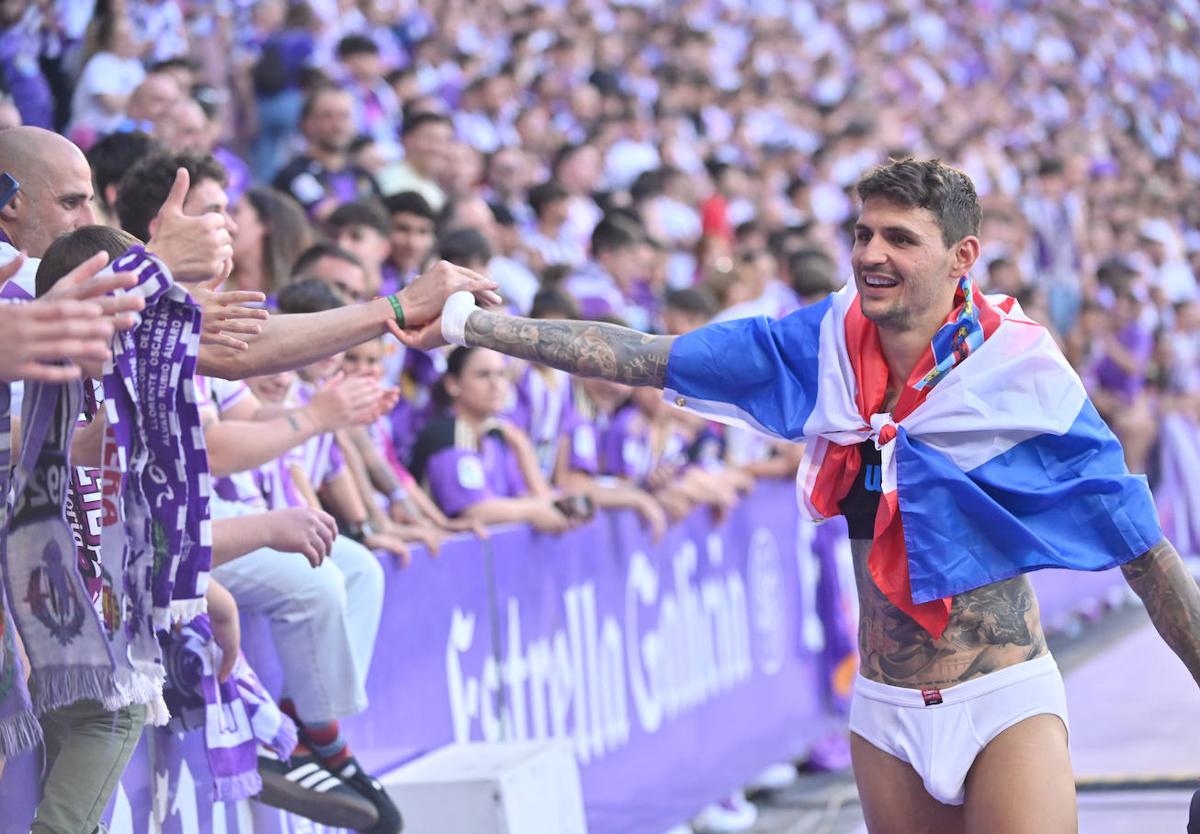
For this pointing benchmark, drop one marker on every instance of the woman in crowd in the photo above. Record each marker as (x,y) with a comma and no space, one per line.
(272,231)
(474,464)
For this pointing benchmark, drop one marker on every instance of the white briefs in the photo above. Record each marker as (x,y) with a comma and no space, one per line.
(941,731)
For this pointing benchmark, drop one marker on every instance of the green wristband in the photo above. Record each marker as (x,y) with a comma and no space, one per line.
(397,309)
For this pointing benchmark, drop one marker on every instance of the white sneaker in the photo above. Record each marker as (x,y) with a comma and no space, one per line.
(731,815)
(774,778)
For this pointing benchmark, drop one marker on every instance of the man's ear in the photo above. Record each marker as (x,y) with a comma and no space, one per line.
(15,206)
(966,253)
(110,198)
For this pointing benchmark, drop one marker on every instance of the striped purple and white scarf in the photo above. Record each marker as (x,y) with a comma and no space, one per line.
(236,716)
(155,481)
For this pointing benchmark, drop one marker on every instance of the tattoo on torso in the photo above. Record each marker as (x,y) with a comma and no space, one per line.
(990,627)
(584,348)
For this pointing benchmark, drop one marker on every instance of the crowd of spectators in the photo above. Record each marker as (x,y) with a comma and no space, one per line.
(659,164)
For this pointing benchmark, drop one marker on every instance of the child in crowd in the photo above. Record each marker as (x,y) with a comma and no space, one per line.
(361,228)
(542,407)
(393,485)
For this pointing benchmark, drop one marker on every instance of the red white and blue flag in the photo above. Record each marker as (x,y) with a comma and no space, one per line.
(995,462)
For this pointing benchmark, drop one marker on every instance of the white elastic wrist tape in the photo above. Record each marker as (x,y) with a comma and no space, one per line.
(454,317)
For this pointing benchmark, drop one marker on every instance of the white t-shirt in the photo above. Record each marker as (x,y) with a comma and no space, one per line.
(105,74)
(20,285)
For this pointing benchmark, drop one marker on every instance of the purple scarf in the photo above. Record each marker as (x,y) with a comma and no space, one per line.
(47,599)
(19,729)
(236,716)
(156,532)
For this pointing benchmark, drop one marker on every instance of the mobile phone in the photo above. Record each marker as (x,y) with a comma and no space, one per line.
(8,188)
(576,507)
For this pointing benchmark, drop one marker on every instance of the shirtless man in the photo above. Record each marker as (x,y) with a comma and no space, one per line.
(963,731)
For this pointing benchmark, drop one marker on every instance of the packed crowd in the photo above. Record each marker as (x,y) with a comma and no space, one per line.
(658,165)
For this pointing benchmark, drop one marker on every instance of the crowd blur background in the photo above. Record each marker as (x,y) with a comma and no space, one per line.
(658,164)
(664,164)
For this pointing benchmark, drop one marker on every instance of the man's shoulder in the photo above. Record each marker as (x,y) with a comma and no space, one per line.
(23,285)
(301,178)
(297,165)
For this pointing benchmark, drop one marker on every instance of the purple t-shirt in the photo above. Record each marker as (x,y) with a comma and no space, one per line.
(543,409)
(583,444)
(310,183)
(1112,377)
(22,75)
(459,475)
(418,373)
(624,447)
(237,173)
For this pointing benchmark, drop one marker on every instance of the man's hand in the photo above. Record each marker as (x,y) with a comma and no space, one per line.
(548,519)
(424,298)
(426,534)
(84,283)
(345,401)
(193,248)
(302,530)
(421,338)
(223,316)
(226,627)
(465,525)
(392,544)
(65,325)
(653,515)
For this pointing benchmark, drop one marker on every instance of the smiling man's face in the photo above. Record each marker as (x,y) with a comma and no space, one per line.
(904,271)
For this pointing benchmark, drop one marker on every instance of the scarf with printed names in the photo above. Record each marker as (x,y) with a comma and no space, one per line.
(156,532)
(236,715)
(973,320)
(19,728)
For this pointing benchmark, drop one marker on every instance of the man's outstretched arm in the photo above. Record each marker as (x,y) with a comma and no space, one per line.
(1172,599)
(293,341)
(583,348)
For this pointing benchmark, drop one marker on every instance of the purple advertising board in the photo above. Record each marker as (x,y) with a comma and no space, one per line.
(678,669)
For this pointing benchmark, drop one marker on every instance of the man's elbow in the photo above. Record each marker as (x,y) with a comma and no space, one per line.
(220,467)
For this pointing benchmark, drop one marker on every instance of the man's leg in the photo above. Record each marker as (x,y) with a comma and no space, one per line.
(894,799)
(1022,782)
(306,609)
(364,598)
(87,748)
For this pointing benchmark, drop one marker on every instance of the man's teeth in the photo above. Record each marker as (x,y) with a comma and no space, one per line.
(880,281)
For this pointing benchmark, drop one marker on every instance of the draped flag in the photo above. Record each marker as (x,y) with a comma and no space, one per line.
(995,462)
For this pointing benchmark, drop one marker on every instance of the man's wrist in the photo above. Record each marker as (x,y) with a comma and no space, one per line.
(358,532)
(397,310)
(307,417)
(458,309)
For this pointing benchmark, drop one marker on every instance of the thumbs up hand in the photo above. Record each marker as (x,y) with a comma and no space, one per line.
(194,248)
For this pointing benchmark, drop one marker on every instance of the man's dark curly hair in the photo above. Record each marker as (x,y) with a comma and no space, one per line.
(946,192)
(145,186)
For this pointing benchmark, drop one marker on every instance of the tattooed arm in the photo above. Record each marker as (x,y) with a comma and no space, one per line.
(583,348)
(1172,599)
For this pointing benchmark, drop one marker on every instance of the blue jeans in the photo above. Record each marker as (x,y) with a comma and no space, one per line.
(1064,302)
(278,124)
(323,620)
